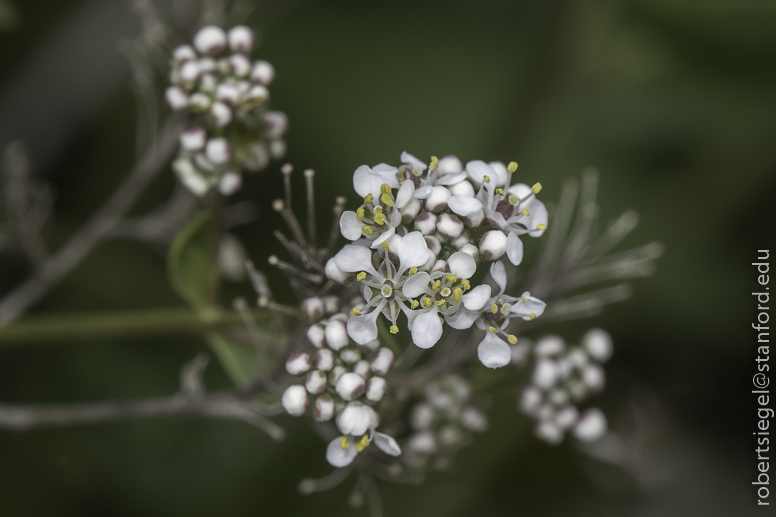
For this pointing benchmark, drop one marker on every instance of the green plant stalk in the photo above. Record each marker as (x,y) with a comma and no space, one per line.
(60,328)
(216,234)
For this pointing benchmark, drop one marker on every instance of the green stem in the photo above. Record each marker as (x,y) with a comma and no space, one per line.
(216,234)
(166,321)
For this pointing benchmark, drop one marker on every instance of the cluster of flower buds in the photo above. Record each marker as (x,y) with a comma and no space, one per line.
(441,423)
(418,238)
(342,379)
(563,376)
(215,81)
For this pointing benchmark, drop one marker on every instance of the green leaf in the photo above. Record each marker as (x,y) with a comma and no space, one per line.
(187,263)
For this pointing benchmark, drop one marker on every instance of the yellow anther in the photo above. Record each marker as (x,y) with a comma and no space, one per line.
(385,245)
(457,293)
(451,278)
(494,309)
(493,329)
(366,230)
(436,285)
(512,167)
(356,311)
(360,213)
(533,316)
(500,191)
(379,218)
(362,444)
(394,329)
(368,199)
(434,163)
(413,270)
(428,302)
(386,200)
(536,188)
(486,179)
(361,276)
(513,200)
(541,226)
(385,189)
(344,443)
(526,212)
(414,304)
(512,339)
(441,302)
(525,299)
(465,284)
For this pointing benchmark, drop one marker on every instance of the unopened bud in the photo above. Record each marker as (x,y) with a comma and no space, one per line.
(425,223)
(382,361)
(324,359)
(336,335)
(193,139)
(437,199)
(240,39)
(262,72)
(493,245)
(210,40)
(316,335)
(176,98)
(375,389)
(323,409)
(350,386)
(295,399)
(218,151)
(297,364)
(449,225)
(598,343)
(313,308)
(315,382)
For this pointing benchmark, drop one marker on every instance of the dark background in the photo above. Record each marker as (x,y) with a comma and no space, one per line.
(673,102)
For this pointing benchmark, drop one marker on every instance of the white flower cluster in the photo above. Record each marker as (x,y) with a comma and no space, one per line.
(215,81)
(562,376)
(344,378)
(418,237)
(441,423)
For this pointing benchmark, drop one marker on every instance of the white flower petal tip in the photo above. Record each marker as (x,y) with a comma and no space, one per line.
(338,456)
(350,226)
(476,299)
(464,205)
(514,249)
(462,264)
(387,444)
(493,352)
(426,329)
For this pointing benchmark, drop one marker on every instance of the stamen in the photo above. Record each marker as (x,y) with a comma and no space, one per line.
(367,230)
(361,276)
(457,294)
(360,213)
(308,175)
(385,189)
(379,218)
(541,226)
(486,179)
(441,302)
(493,329)
(394,329)
(434,163)
(414,304)
(428,302)
(287,169)
(465,284)
(451,278)
(344,442)
(386,200)
(356,311)
(512,167)
(526,212)
(368,199)
(500,191)
(512,339)
(494,309)
(413,270)
(385,245)
(533,316)
(436,285)
(536,188)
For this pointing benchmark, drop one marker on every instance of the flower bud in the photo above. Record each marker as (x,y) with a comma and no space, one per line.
(335,374)
(313,308)
(295,399)
(598,343)
(350,386)
(437,199)
(240,39)
(355,419)
(473,420)
(590,426)
(593,376)
(350,355)
(239,65)
(336,335)
(558,397)
(333,272)
(362,368)
(193,139)
(439,266)
(230,183)
(425,223)
(323,409)
(262,72)
(297,364)
(449,164)
(256,96)
(210,40)
(220,114)
(411,211)
(422,417)
(545,373)
(375,389)
(277,149)
(208,65)
(382,361)
(275,124)
(184,53)
(502,173)
(189,73)
(218,151)
(577,389)
(227,93)
(176,98)
(315,335)
(370,346)
(549,432)
(530,400)
(493,245)
(331,304)
(315,382)
(324,359)
(199,102)
(474,219)
(566,417)
(422,443)
(472,250)
(190,177)
(462,188)
(449,225)
(550,346)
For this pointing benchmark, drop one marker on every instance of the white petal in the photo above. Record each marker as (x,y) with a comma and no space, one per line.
(411,160)
(422,192)
(350,226)
(514,249)
(416,285)
(493,352)
(387,444)
(462,319)
(412,251)
(352,258)
(427,329)
(387,234)
(404,196)
(462,264)
(477,170)
(464,205)
(499,274)
(531,305)
(476,299)
(365,182)
(363,329)
(451,179)
(339,457)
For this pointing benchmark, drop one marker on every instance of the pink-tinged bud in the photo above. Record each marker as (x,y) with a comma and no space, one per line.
(240,39)
(550,346)
(220,114)
(350,355)
(335,374)
(375,389)
(208,65)
(336,335)
(176,98)
(382,361)
(210,40)
(370,346)
(295,400)
(218,151)
(437,200)
(566,417)
(256,96)
(239,65)
(598,343)
(190,177)
(208,83)
(199,102)
(257,157)
(324,359)
(227,93)
(461,241)
(549,432)
(590,426)
(449,225)
(189,73)
(316,335)
(362,368)
(545,373)
(334,273)
(230,183)
(449,164)
(593,376)
(331,304)
(462,188)
(472,250)
(323,410)
(474,219)
(193,139)
(493,245)
(262,72)
(275,124)
(425,223)
(350,386)
(439,266)
(313,308)
(411,211)
(433,244)
(297,364)
(315,382)
(184,53)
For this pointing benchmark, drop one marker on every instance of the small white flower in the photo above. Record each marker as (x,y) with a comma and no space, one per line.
(210,40)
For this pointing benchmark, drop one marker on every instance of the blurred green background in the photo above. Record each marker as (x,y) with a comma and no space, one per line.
(673,101)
